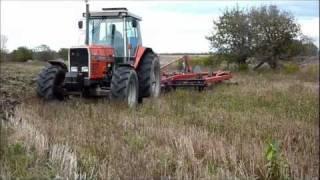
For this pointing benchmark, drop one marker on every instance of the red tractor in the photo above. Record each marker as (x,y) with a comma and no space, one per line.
(112,62)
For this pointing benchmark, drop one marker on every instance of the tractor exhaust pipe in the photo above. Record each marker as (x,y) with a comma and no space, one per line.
(87,23)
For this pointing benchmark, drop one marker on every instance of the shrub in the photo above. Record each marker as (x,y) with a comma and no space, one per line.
(206,61)
(291,68)
(243,67)
(21,54)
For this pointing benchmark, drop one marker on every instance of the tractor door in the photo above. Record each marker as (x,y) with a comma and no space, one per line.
(133,37)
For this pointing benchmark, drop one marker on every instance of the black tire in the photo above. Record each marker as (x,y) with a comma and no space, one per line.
(124,85)
(149,67)
(49,83)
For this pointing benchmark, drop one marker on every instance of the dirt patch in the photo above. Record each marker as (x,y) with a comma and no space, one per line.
(17,84)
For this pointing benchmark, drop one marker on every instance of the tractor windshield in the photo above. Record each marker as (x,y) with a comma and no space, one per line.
(107,32)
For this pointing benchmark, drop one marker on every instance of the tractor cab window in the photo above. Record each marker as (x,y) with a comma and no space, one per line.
(107,32)
(133,36)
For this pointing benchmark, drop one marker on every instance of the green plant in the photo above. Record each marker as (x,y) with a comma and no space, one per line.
(277,167)
(21,162)
(212,168)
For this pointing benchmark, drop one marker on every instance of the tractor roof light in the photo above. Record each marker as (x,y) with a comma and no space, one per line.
(115,9)
(112,13)
(122,14)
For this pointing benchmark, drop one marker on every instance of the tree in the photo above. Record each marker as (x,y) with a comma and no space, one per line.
(264,33)
(3,47)
(273,31)
(302,47)
(63,53)
(295,48)
(21,54)
(232,36)
(43,53)
(308,47)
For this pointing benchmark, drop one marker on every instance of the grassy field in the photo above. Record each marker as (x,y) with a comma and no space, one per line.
(266,127)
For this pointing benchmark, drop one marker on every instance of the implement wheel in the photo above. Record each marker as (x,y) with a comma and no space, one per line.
(124,85)
(49,83)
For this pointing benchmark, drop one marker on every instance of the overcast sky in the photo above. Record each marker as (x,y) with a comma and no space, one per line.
(167,26)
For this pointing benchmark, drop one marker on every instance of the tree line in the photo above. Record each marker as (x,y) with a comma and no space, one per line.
(264,34)
(23,54)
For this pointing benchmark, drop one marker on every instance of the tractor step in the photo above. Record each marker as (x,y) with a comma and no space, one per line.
(98,91)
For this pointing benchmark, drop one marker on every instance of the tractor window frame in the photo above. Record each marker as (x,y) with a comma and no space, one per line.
(135,33)
(120,27)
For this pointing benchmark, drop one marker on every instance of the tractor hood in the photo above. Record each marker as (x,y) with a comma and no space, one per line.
(93,60)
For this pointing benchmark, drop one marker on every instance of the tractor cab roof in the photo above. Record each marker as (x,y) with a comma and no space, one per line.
(113,12)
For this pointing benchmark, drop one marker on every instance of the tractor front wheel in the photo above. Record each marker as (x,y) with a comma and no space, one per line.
(49,83)
(124,85)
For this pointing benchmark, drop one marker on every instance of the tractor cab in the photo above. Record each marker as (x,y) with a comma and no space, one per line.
(116,28)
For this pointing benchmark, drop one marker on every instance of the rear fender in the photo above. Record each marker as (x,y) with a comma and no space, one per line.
(59,63)
(122,65)
(140,54)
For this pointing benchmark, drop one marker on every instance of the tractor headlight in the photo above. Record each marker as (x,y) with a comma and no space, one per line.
(84,69)
(74,69)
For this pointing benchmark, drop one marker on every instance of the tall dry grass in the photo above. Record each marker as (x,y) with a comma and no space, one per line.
(222,133)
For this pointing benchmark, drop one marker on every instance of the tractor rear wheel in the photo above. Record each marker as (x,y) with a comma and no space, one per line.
(124,85)
(149,76)
(49,83)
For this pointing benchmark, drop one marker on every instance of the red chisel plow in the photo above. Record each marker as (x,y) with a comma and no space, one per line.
(190,78)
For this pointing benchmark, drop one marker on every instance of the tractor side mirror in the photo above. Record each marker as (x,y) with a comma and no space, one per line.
(134,23)
(80,24)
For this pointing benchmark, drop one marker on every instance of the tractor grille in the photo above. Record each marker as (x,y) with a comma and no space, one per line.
(79,58)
